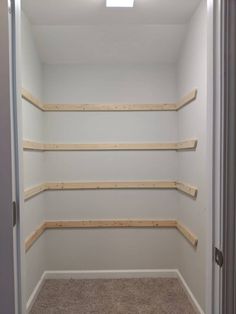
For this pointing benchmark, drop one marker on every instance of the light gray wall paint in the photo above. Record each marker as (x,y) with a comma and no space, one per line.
(110,249)
(120,249)
(119,126)
(192,72)
(33,161)
(35,264)
(104,83)
(31,65)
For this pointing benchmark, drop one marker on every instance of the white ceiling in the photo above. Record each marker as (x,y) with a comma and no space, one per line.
(86,32)
(93,12)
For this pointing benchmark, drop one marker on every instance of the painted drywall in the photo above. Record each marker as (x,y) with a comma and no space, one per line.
(110,249)
(116,44)
(33,161)
(192,72)
(119,249)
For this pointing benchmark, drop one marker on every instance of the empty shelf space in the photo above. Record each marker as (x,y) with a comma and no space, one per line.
(104,185)
(110,107)
(80,224)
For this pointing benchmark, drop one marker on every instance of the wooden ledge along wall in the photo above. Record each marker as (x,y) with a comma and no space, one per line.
(107,185)
(109,107)
(177,146)
(189,190)
(79,224)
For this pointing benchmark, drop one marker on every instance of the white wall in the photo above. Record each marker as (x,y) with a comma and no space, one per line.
(110,249)
(33,161)
(130,248)
(192,72)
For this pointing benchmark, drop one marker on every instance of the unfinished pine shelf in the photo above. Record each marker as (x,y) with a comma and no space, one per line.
(75,224)
(110,107)
(177,146)
(34,236)
(105,185)
(31,99)
(31,192)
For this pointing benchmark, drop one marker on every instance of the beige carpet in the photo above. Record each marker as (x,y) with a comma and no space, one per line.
(126,296)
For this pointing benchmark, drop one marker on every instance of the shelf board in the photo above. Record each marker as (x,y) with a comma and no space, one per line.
(176,146)
(110,107)
(106,185)
(81,224)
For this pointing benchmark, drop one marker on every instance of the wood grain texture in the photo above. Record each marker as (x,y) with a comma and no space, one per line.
(111,224)
(31,99)
(187,99)
(183,145)
(105,185)
(187,144)
(110,185)
(110,107)
(33,191)
(128,223)
(31,145)
(187,189)
(187,234)
(34,236)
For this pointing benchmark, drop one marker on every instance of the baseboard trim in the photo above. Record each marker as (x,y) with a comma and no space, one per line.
(111,274)
(189,293)
(114,274)
(35,293)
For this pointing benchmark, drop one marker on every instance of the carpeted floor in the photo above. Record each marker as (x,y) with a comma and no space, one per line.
(116,296)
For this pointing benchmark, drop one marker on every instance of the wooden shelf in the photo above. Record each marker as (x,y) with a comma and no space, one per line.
(31,192)
(75,224)
(105,185)
(177,146)
(187,99)
(186,188)
(34,236)
(110,224)
(31,99)
(110,107)
(187,233)
(180,186)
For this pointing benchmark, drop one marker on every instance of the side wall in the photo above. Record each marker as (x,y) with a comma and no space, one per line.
(110,249)
(130,248)
(192,72)
(33,161)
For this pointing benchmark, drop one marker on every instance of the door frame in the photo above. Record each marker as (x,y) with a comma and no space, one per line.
(7,282)
(218,119)
(229,156)
(224,155)
(12,271)
(18,153)
(214,155)
(216,167)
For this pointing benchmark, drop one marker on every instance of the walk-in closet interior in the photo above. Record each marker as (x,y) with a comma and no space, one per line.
(114,144)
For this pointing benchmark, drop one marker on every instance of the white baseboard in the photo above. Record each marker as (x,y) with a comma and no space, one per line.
(114,274)
(111,274)
(35,293)
(189,293)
